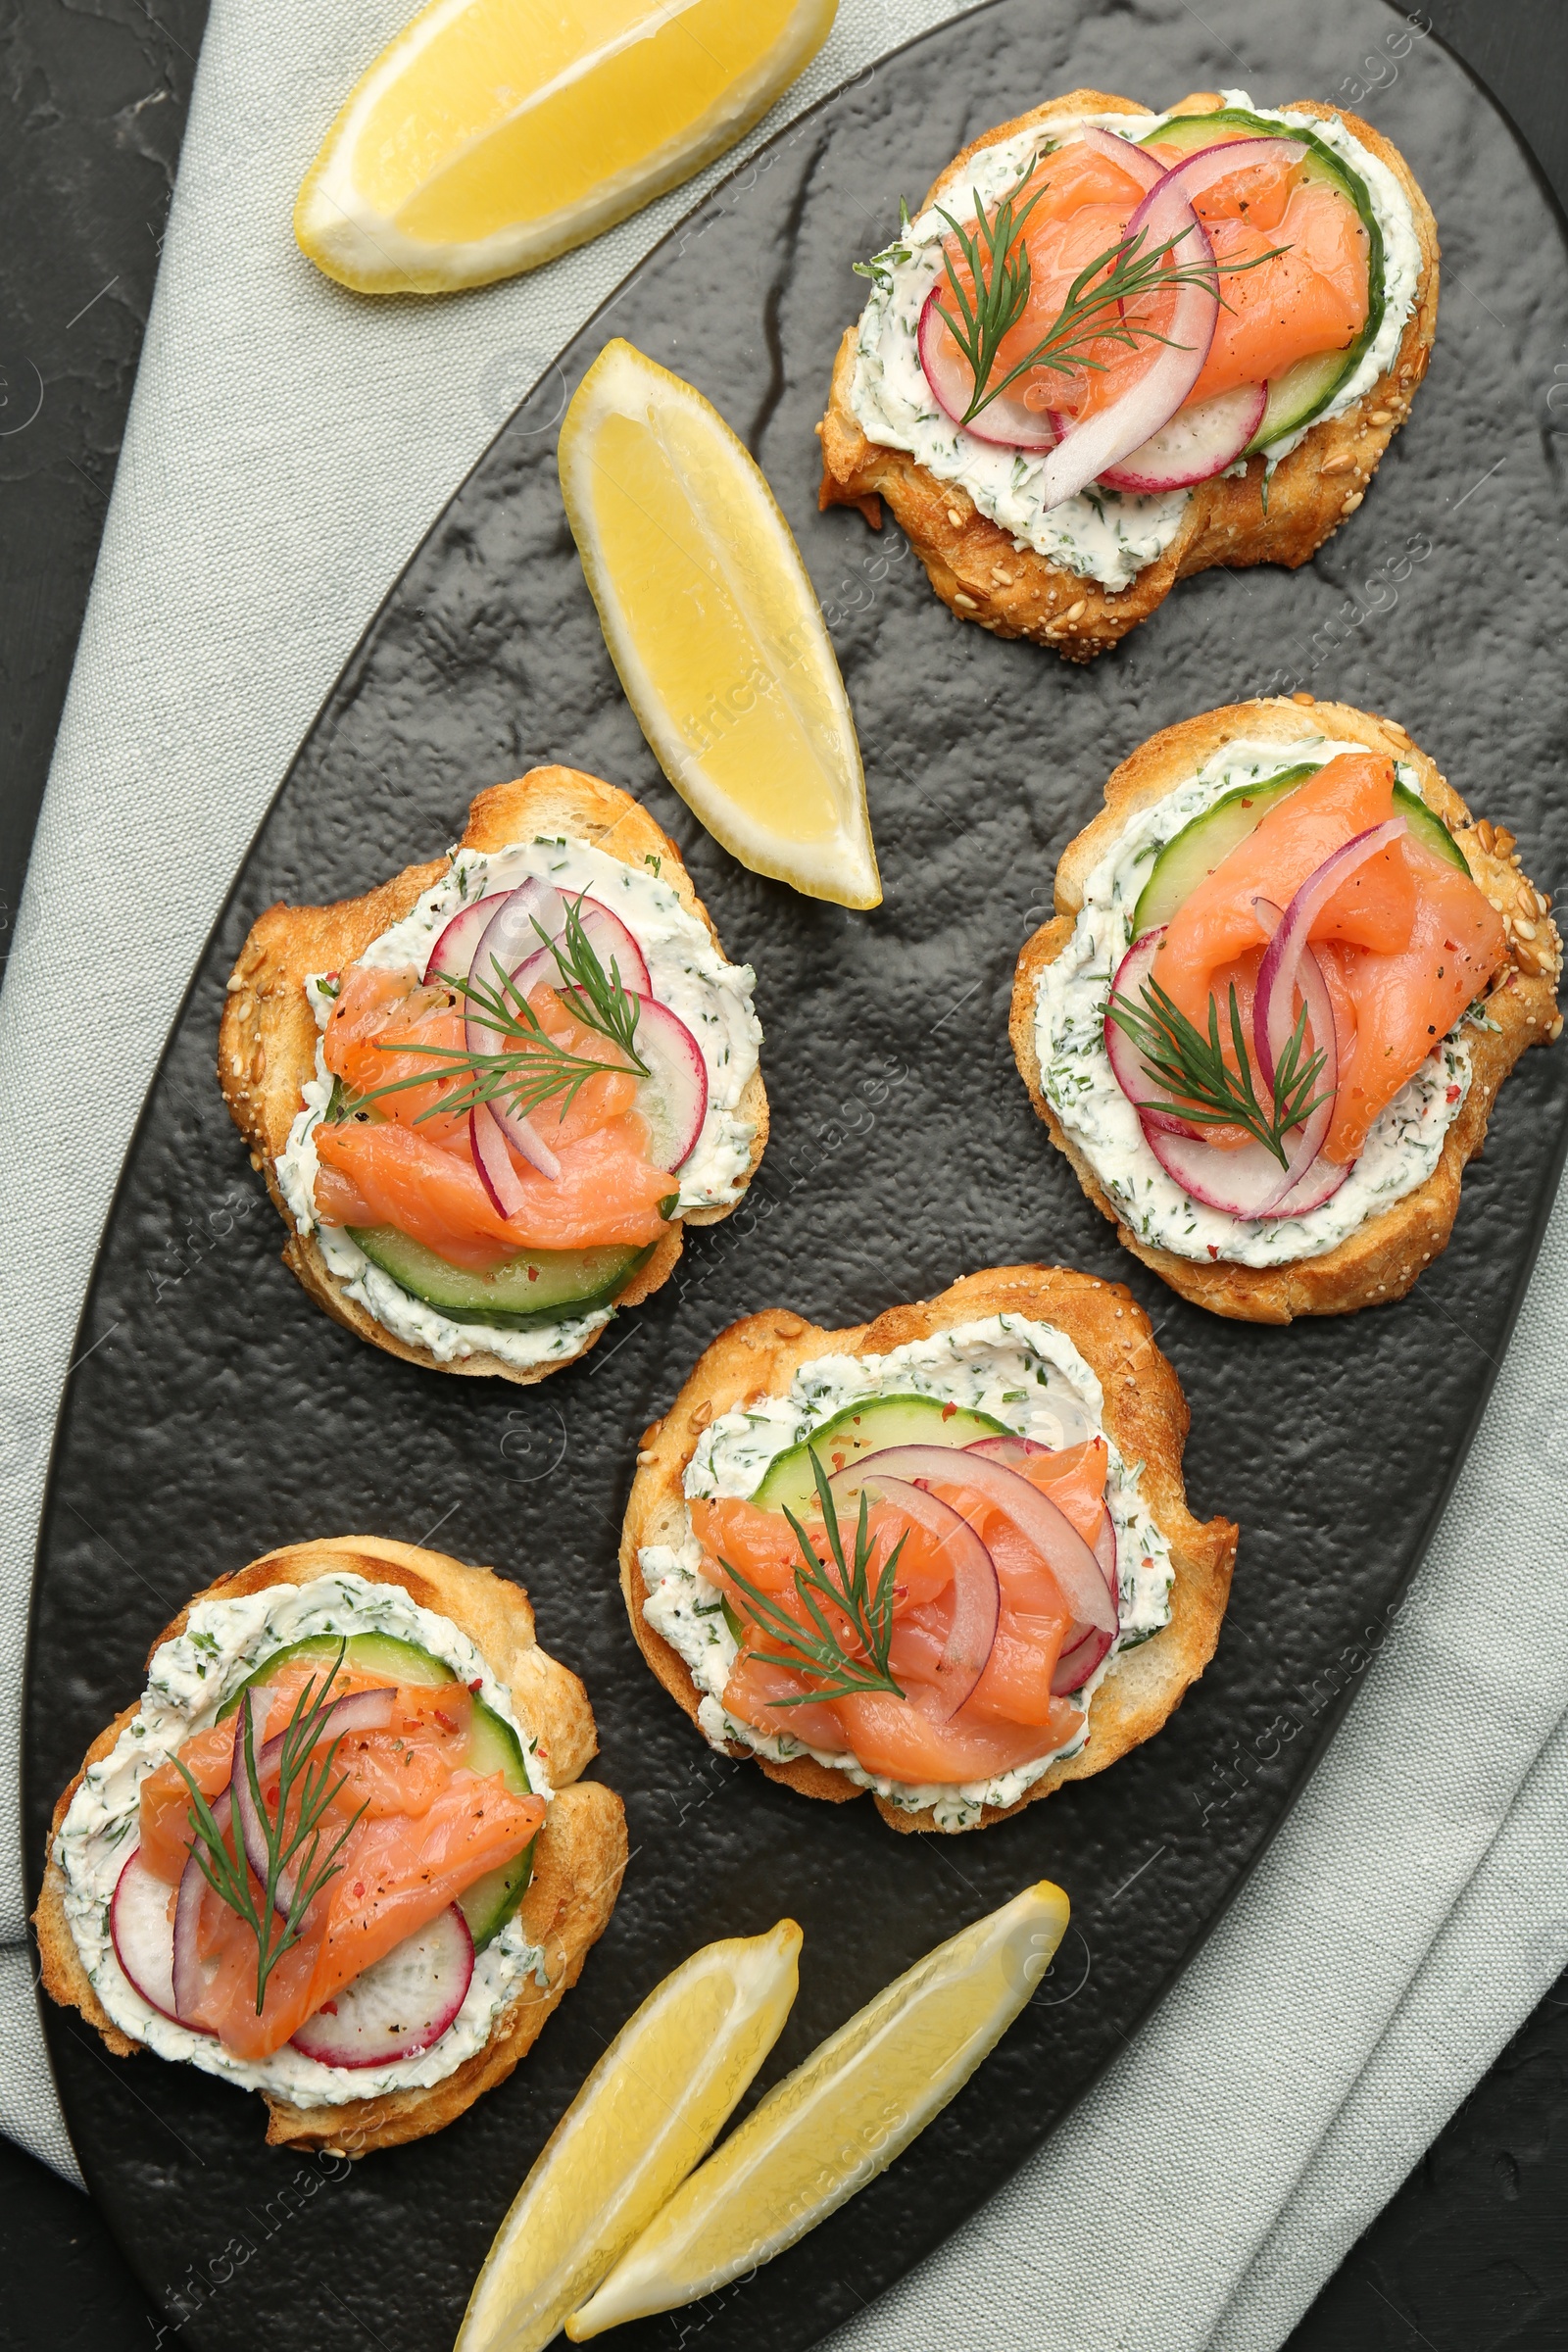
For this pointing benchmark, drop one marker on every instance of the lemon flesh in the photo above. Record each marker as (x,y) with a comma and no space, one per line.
(840,2119)
(715,627)
(492,135)
(645,2116)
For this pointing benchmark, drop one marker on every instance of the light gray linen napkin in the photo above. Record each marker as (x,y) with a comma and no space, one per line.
(286,450)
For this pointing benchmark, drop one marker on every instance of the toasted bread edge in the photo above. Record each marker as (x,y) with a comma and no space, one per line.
(1146,1414)
(973,564)
(267,1035)
(579,1856)
(1385,1256)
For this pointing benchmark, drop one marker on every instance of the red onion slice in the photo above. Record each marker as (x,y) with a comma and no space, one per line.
(1196,444)
(493,1163)
(1166,218)
(1077,1664)
(358,1711)
(1288,954)
(611,941)
(977,1594)
(452,951)
(1165,222)
(1035,1516)
(1128,1067)
(511,936)
(1135,161)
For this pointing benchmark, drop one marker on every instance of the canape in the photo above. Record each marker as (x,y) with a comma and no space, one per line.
(945,1556)
(487,1095)
(340,1853)
(1114,348)
(1267,1025)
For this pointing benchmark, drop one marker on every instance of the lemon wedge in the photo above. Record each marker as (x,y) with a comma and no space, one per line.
(492,135)
(840,2119)
(645,2116)
(715,627)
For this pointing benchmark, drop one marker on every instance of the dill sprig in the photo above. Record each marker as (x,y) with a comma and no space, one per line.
(225,1868)
(1002,276)
(1207,1092)
(531,1067)
(845,1670)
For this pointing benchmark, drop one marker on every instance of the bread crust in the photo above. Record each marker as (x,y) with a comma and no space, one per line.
(580,1855)
(1384,1258)
(1145,1414)
(268,1036)
(973,564)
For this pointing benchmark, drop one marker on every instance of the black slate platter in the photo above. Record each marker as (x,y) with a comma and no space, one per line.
(216,1413)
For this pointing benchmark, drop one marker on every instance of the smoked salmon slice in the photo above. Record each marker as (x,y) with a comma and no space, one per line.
(1309,296)
(1404,945)
(408,1163)
(1011,1716)
(425,1829)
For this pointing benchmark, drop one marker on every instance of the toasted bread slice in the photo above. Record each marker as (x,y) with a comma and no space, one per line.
(1383,1259)
(579,1854)
(1146,1415)
(267,1036)
(974,565)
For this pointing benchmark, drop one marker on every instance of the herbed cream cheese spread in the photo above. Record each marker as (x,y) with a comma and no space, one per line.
(1071,1000)
(688,974)
(1105,535)
(187,1683)
(1026,1375)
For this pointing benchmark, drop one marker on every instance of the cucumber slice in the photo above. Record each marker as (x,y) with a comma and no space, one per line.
(372,1653)
(488,1905)
(866,1428)
(538,1286)
(1303,391)
(493,1747)
(1193,854)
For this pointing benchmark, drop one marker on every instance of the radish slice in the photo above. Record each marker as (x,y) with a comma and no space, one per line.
(1197,443)
(493,1163)
(611,941)
(1128,1067)
(977,1595)
(1106,1554)
(1243,1183)
(507,940)
(673,1096)
(143,1937)
(401,2004)
(1250,1183)
(188,1973)
(1007,420)
(1034,1515)
(356,1711)
(453,951)
(1288,954)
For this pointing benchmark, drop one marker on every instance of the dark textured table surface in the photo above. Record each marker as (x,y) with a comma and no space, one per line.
(1468,2253)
